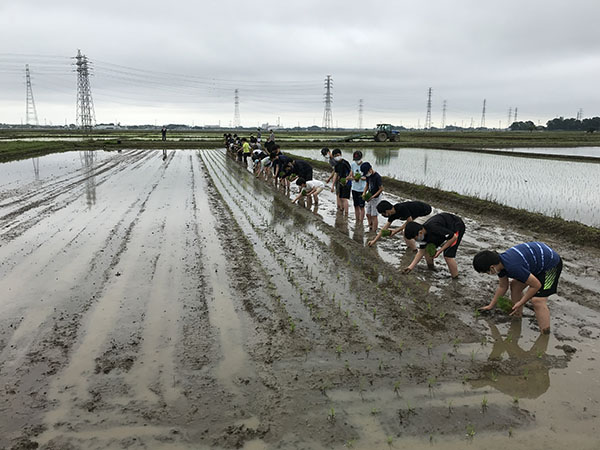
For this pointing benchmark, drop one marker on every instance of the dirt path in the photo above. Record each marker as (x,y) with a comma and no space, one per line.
(185,304)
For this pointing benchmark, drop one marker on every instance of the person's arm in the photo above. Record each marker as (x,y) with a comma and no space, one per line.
(500,290)
(398,230)
(446,244)
(330,176)
(534,286)
(334,180)
(379,191)
(415,260)
(376,238)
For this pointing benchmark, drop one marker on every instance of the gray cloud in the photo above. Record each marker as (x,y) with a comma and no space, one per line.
(541,56)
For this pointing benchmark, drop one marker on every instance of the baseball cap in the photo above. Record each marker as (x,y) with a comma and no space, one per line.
(357,155)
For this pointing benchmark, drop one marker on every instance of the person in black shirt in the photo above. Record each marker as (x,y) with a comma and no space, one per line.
(342,178)
(443,230)
(408,211)
(299,168)
(374,187)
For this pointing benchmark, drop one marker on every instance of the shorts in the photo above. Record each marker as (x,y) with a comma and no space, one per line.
(344,191)
(549,280)
(450,252)
(371,207)
(421,220)
(357,199)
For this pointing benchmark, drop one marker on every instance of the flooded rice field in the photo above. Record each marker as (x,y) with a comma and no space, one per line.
(181,303)
(566,189)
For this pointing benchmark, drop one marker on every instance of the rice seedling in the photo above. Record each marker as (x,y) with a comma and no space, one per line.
(504,304)
(431,381)
(430,249)
(350,443)
(539,354)
(410,409)
(374,313)
(331,415)
(484,404)
(526,373)
(443,359)
(476,313)
(449,406)
(470,431)
(292,324)
(368,350)
(442,314)
(456,343)
(472,356)
(385,233)
(380,365)
(367,196)
(390,441)
(510,432)
(516,400)
(429,348)
(338,350)
(397,388)
(357,176)
(494,376)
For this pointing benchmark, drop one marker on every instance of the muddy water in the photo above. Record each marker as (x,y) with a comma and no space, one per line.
(555,188)
(185,304)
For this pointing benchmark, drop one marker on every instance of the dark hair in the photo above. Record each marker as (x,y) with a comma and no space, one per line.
(300,181)
(336,151)
(324,151)
(276,147)
(357,155)
(483,260)
(243,139)
(412,229)
(383,206)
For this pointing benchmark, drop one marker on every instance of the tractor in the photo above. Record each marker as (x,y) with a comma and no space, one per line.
(385,132)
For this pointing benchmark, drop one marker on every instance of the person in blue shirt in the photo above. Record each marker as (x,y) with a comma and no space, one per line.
(532,265)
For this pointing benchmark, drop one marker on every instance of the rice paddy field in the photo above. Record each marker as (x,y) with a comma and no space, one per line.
(182,303)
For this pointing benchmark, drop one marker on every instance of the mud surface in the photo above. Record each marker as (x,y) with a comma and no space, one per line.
(182,303)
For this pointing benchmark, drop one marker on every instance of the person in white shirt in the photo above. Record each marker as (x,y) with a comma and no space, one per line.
(308,189)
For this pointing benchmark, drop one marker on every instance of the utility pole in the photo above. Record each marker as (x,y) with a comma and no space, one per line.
(483,115)
(428,115)
(236,109)
(444,114)
(509,117)
(360,114)
(327,118)
(31,117)
(86,118)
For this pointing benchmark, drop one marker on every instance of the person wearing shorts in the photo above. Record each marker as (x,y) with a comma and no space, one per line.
(443,230)
(358,187)
(312,189)
(375,188)
(532,265)
(341,178)
(415,211)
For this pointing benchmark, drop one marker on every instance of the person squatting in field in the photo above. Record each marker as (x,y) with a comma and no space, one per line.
(309,189)
(532,265)
(408,211)
(443,230)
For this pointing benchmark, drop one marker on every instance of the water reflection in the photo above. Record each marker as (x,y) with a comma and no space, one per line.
(560,188)
(88,158)
(36,168)
(529,377)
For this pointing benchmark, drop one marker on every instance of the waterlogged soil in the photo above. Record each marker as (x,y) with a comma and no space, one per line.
(176,301)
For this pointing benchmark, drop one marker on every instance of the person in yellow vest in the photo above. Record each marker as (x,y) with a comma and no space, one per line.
(246,151)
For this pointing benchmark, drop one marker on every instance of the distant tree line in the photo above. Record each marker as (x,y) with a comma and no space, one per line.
(560,123)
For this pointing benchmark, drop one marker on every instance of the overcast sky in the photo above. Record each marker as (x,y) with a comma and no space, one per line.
(180,61)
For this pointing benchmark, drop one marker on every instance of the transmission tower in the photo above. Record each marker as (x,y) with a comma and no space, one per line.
(85,105)
(236,110)
(509,117)
(327,119)
(360,114)
(483,115)
(31,117)
(580,114)
(443,114)
(428,116)
(516,111)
